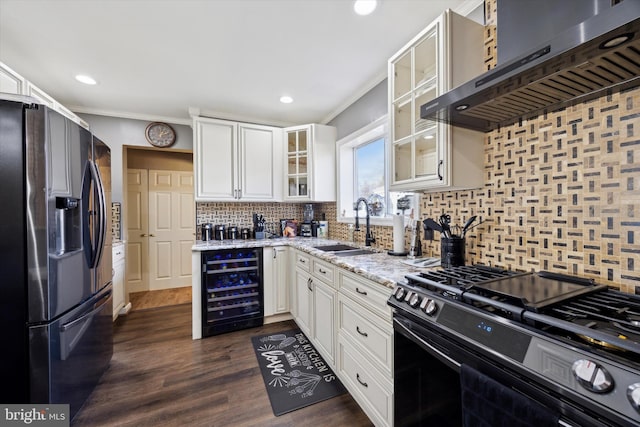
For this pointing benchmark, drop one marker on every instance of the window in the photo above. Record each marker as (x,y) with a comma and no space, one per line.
(363,172)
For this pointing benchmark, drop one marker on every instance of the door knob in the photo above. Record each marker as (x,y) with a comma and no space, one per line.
(152,235)
(144,235)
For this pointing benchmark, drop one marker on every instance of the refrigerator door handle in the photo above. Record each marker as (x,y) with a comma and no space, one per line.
(101,208)
(82,318)
(69,339)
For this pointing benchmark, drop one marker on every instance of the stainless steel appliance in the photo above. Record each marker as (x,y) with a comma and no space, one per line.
(232,232)
(307,220)
(220,232)
(232,290)
(596,57)
(55,263)
(565,348)
(207,231)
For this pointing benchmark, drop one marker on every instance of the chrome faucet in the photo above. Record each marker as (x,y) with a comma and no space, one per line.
(368,238)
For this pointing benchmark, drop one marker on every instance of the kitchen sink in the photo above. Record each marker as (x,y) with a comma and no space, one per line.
(344,250)
(353,252)
(336,248)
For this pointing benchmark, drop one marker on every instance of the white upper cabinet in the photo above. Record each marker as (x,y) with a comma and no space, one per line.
(310,157)
(426,155)
(236,161)
(10,81)
(13,83)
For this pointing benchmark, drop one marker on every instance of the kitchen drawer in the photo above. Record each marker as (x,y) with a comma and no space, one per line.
(324,271)
(369,332)
(369,294)
(372,391)
(303,261)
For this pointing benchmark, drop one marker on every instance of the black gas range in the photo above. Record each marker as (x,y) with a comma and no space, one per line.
(569,344)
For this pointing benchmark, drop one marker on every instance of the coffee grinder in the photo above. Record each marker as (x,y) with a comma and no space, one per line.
(307,220)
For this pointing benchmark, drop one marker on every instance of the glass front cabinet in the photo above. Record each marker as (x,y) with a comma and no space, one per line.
(297,161)
(310,163)
(426,155)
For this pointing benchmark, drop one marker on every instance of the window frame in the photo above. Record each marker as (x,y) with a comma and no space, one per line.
(346,181)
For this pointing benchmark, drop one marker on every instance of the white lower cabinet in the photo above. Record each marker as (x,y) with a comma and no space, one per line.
(365,345)
(303,300)
(372,391)
(324,329)
(118,279)
(315,300)
(347,319)
(373,335)
(276,289)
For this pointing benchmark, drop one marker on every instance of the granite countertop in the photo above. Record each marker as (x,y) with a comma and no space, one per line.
(378,266)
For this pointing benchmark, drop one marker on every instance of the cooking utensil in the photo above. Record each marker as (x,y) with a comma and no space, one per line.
(445,220)
(432,225)
(468,224)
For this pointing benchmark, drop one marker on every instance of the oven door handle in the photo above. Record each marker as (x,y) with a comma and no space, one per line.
(425,344)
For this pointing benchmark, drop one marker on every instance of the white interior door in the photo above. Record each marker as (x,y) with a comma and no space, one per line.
(137,231)
(171,228)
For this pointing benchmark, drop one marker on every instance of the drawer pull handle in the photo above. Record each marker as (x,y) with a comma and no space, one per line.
(360,381)
(321,270)
(364,334)
(360,292)
(301,260)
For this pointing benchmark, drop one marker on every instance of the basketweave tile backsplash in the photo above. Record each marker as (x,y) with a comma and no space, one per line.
(241,214)
(561,193)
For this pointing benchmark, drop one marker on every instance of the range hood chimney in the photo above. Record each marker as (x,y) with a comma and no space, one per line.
(594,58)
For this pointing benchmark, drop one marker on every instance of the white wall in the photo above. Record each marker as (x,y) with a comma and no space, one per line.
(119,132)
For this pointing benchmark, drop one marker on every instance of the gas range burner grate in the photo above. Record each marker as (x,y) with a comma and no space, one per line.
(610,311)
(464,276)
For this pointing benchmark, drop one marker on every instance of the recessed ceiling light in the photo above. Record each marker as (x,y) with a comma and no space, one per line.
(86,79)
(365,7)
(286,99)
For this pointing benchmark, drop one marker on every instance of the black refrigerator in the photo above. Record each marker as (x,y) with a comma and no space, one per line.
(55,256)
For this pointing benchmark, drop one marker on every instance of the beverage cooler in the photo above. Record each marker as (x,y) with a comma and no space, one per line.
(232,290)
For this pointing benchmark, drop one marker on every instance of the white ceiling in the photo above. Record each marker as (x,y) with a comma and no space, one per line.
(229,58)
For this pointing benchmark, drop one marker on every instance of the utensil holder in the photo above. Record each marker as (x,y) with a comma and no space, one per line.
(452,251)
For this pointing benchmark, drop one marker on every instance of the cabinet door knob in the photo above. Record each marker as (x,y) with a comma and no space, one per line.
(144,235)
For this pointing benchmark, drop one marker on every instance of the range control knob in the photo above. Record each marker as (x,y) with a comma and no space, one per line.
(414,301)
(429,306)
(399,293)
(592,376)
(407,297)
(633,394)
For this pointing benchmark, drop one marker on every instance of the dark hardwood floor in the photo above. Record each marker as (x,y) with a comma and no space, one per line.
(159,376)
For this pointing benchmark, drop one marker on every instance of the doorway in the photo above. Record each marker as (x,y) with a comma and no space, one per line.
(160,213)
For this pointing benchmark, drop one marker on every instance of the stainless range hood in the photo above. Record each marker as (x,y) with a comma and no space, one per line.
(596,57)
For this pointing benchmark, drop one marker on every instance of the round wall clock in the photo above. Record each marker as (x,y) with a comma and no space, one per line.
(160,134)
